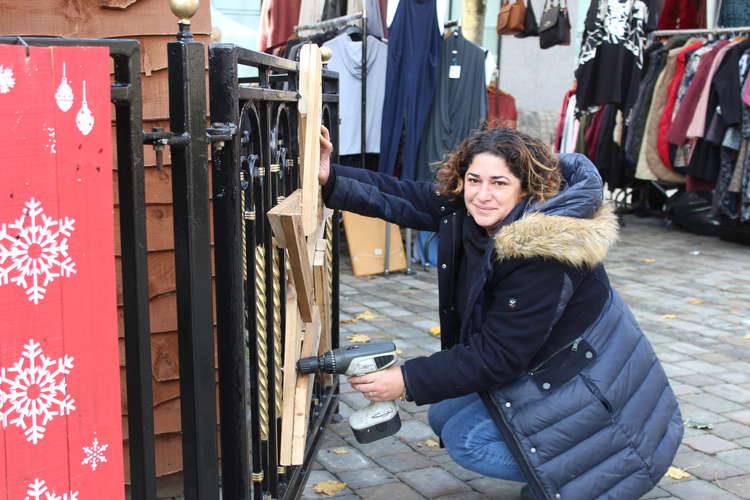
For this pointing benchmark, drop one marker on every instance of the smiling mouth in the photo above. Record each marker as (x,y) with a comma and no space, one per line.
(484,209)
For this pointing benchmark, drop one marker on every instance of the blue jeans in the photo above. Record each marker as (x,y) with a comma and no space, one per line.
(472,438)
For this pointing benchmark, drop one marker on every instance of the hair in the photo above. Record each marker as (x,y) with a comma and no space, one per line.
(528,158)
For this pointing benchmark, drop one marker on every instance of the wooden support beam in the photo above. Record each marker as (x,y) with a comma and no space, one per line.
(310,110)
(303,390)
(292,349)
(286,224)
(322,300)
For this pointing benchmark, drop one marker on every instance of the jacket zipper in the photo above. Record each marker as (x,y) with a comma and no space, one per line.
(573,346)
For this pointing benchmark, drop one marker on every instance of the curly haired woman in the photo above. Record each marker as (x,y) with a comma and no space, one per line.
(544,375)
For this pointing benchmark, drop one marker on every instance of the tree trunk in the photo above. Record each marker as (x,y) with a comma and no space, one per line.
(473,20)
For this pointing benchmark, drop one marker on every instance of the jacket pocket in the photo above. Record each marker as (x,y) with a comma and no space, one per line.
(597,394)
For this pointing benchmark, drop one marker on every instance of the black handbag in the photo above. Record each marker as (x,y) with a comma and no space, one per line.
(530,27)
(554,26)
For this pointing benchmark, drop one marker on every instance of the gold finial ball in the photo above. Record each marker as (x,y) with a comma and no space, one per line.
(325,53)
(184,9)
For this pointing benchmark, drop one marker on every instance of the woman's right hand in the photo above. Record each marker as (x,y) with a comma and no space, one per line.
(326,147)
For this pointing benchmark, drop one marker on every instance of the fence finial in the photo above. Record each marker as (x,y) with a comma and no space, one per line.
(184,10)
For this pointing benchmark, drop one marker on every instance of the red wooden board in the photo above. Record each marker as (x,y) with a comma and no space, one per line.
(60,430)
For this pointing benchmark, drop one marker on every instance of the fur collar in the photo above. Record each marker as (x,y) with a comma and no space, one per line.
(573,241)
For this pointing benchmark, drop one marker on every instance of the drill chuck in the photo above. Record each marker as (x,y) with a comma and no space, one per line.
(356,359)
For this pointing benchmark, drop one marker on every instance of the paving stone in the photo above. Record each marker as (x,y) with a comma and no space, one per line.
(698,380)
(683,389)
(317,476)
(692,412)
(698,490)
(686,348)
(372,476)
(732,392)
(415,430)
(339,462)
(497,488)
(731,430)
(455,469)
(712,402)
(740,486)
(433,482)
(379,448)
(655,493)
(705,466)
(740,458)
(709,444)
(464,495)
(390,491)
(402,462)
(697,366)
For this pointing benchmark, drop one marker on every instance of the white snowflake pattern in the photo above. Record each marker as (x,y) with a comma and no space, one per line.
(36,393)
(38,488)
(94,454)
(35,250)
(7,80)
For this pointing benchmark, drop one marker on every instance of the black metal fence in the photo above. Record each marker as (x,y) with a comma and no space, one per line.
(255,163)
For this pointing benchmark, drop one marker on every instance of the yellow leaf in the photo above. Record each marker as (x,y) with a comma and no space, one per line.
(329,487)
(399,351)
(677,473)
(696,301)
(348,321)
(669,316)
(431,443)
(648,261)
(366,315)
(358,338)
(340,451)
(746,337)
(435,330)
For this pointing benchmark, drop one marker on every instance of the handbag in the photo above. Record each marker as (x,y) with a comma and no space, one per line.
(530,27)
(510,19)
(554,26)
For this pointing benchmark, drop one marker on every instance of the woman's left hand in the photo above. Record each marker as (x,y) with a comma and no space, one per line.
(385,385)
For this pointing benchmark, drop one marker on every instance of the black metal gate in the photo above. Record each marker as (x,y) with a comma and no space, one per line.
(254,152)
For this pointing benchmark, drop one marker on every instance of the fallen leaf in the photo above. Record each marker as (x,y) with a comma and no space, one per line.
(677,473)
(399,351)
(348,321)
(431,443)
(692,424)
(669,316)
(735,310)
(746,337)
(366,315)
(329,487)
(340,451)
(696,301)
(358,338)
(435,330)
(648,261)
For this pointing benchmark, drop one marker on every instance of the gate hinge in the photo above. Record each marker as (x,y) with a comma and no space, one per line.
(219,133)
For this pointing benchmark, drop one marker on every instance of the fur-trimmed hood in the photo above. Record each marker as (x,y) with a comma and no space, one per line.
(572,227)
(571,240)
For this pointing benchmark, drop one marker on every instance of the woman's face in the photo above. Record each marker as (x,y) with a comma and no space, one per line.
(490,190)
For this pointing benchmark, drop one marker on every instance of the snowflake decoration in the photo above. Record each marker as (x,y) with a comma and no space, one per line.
(51,140)
(38,488)
(94,454)
(35,250)
(36,392)
(7,80)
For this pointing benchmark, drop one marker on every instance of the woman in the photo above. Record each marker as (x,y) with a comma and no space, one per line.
(544,375)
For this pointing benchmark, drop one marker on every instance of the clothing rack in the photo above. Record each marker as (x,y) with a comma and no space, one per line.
(703,31)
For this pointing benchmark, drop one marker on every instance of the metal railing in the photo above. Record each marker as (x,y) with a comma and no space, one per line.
(254,151)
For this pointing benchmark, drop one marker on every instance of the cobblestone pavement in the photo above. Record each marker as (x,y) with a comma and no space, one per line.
(691,295)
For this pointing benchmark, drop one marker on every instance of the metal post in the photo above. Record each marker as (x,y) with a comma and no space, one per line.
(187,109)
(228,220)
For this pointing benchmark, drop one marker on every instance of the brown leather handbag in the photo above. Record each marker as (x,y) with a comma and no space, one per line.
(510,19)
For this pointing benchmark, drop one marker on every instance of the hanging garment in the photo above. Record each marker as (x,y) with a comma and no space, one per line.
(411,77)
(734,13)
(347,61)
(375,21)
(662,145)
(611,56)
(650,166)
(570,128)
(561,119)
(310,11)
(277,21)
(681,14)
(459,106)
(501,108)
(609,158)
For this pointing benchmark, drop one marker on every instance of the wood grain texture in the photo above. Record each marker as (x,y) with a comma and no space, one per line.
(303,390)
(310,109)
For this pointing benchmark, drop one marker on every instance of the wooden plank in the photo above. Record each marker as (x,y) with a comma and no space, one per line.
(322,299)
(287,224)
(365,237)
(310,109)
(293,338)
(291,205)
(303,391)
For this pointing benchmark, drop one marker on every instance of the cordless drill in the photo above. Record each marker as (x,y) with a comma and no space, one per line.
(377,420)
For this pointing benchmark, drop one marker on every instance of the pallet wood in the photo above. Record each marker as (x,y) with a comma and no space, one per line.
(286,222)
(365,237)
(303,390)
(322,299)
(310,110)
(293,329)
